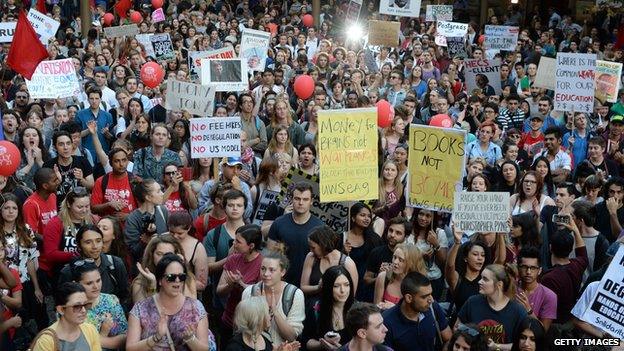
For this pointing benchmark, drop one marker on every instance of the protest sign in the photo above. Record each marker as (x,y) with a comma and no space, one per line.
(440,40)
(54,79)
(254,48)
(481,211)
(226,75)
(369,60)
(215,137)
(403,8)
(439,13)
(353,11)
(574,82)
(452,29)
(383,33)
(545,77)
(608,78)
(265,200)
(333,214)
(7,29)
(158,15)
(501,37)
(483,74)
(44,26)
(195,58)
(163,47)
(456,47)
(146,41)
(606,310)
(128,30)
(195,98)
(347,145)
(436,161)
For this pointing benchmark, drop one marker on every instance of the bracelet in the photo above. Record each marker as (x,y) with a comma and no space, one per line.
(530,312)
(151,338)
(157,338)
(189,338)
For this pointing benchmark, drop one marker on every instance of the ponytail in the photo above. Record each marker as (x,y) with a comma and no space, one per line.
(506,274)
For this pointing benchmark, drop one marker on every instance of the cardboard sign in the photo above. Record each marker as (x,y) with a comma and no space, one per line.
(7,29)
(452,29)
(195,58)
(481,211)
(44,26)
(53,80)
(347,144)
(353,11)
(128,30)
(501,37)
(608,79)
(254,48)
(158,15)
(456,47)
(266,199)
(215,137)
(225,75)
(383,33)
(163,47)
(195,98)
(436,162)
(403,8)
(439,13)
(146,41)
(606,310)
(476,70)
(574,76)
(546,73)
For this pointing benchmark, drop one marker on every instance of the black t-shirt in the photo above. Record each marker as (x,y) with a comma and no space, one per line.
(378,256)
(603,223)
(501,326)
(237,344)
(158,114)
(68,180)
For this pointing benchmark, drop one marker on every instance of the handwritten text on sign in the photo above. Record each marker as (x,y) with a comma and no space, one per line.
(215,137)
(195,98)
(501,37)
(53,80)
(436,159)
(348,155)
(574,87)
(452,29)
(481,212)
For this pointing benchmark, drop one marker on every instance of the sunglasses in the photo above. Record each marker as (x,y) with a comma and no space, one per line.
(79,191)
(78,308)
(466,329)
(172,277)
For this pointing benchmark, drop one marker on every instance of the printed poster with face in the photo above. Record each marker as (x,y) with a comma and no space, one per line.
(225,74)
(403,8)
(254,46)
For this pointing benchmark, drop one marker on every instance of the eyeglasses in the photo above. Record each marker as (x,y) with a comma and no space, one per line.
(78,308)
(527,268)
(79,191)
(172,277)
(466,329)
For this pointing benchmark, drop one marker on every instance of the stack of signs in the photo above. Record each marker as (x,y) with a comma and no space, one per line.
(44,26)
(129,30)
(54,80)
(403,8)
(483,74)
(215,137)
(163,47)
(574,87)
(608,78)
(254,47)
(7,29)
(449,29)
(481,211)
(195,98)
(456,47)
(225,74)
(195,57)
(501,38)
(439,13)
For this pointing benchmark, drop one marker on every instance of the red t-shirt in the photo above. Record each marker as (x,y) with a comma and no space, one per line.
(530,144)
(58,248)
(251,275)
(201,231)
(18,287)
(174,203)
(38,212)
(117,189)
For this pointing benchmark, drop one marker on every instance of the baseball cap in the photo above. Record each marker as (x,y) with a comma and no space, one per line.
(617,118)
(232,161)
(537,116)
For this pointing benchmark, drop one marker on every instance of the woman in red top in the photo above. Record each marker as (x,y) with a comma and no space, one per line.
(211,219)
(179,196)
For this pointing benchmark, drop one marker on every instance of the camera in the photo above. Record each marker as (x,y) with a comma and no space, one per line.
(147,219)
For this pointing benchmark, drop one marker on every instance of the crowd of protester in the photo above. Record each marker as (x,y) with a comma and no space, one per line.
(113,237)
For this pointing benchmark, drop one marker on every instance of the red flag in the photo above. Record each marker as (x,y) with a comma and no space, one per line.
(619,40)
(41,7)
(122,8)
(26,50)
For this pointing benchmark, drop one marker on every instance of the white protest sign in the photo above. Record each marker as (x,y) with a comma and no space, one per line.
(403,8)
(452,29)
(481,211)
(195,98)
(128,30)
(439,13)
(545,77)
(225,74)
(195,58)
(254,47)
(146,41)
(606,311)
(353,11)
(7,29)
(54,79)
(501,37)
(266,199)
(215,137)
(483,74)
(574,87)
(44,26)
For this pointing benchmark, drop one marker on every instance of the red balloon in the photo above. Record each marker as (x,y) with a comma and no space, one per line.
(385,114)
(108,18)
(441,120)
(308,20)
(156,4)
(10,159)
(136,17)
(304,86)
(152,74)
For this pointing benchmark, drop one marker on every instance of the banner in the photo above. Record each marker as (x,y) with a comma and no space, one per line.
(195,98)
(215,137)
(226,75)
(452,29)
(608,78)
(265,200)
(439,13)
(129,30)
(403,8)
(163,47)
(158,15)
(435,163)
(574,86)
(545,77)
(7,29)
(481,211)
(146,41)
(501,37)
(44,26)
(383,33)
(606,311)
(483,74)
(195,58)
(54,79)
(347,145)
(456,47)
(254,47)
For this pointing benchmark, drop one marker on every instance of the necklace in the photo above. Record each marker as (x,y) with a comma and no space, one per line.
(336,320)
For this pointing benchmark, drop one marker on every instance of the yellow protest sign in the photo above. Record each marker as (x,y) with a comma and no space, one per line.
(436,164)
(347,143)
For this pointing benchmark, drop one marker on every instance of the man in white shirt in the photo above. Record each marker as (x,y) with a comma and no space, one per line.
(108,95)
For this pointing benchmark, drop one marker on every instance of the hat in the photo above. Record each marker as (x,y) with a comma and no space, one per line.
(232,161)
(537,116)
(231,39)
(617,118)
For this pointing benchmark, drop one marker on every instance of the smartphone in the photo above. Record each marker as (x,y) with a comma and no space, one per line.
(187,173)
(561,219)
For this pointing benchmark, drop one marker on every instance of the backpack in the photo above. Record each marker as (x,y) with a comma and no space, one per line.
(107,176)
(47,331)
(111,268)
(288,296)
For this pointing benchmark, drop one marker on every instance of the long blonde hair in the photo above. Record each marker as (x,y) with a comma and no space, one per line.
(414,261)
(288,146)
(251,315)
(274,122)
(69,200)
(398,186)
